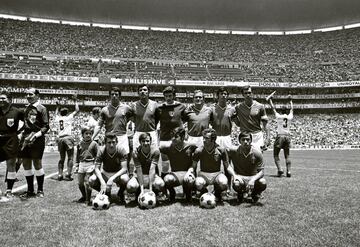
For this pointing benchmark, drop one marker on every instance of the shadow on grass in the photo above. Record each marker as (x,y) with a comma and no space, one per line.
(248,201)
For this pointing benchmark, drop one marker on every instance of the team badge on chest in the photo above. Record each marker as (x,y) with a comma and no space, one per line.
(171,113)
(10,122)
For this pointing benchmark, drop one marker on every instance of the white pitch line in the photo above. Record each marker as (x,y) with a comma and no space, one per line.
(321,169)
(17,189)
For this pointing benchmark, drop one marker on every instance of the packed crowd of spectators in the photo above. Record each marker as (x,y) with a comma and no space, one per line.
(316,57)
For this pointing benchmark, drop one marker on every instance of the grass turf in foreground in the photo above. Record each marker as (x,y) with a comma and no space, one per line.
(316,207)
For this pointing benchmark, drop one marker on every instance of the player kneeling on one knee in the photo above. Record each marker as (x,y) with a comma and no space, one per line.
(248,168)
(179,154)
(113,169)
(84,166)
(211,155)
(146,158)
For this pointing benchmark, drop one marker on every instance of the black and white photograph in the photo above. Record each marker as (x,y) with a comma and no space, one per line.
(179,123)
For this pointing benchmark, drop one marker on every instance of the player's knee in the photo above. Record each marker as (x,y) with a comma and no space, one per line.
(239,185)
(169,180)
(221,182)
(132,186)
(92,180)
(200,183)
(189,178)
(260,185)
(159,184)
(123,180)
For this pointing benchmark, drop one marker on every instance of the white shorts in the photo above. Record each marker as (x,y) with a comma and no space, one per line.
(196,140)
(258,140)
(224,141)
(123,142)
(86,167)
(154,139)
(209,176)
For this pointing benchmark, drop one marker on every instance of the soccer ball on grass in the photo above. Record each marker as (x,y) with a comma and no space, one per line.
(147,200)
(208,200)
(101,202)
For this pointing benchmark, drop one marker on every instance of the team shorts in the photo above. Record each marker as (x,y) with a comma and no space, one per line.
(86,167)
(209,177)
(154,139)
(123,142)
(106,176)
(146,179)
(196,140)
(65,143)
(9,147)
(179,176)
(282,142)
(33,151)
(258,140)
(224,141)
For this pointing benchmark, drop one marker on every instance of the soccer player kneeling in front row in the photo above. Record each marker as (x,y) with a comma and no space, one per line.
(248,171)
(210,156)
(110,167)
(146,158)
(180,155)
(85,157)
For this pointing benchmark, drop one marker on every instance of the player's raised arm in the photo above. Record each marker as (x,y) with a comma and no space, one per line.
(77,109)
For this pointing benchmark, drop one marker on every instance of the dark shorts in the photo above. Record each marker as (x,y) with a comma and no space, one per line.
(33,151)
(65,143)
(9,147)
(282,142)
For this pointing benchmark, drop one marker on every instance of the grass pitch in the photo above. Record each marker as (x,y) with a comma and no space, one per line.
(317,206)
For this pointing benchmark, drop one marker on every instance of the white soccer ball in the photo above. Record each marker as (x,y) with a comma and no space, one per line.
(208,200)
(147,200)
(101,202)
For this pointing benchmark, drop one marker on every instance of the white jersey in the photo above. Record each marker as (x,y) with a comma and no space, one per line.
(92,123)
(283,123)
(64,124)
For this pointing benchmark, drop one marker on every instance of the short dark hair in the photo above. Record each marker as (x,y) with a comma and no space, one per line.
(143,136)
(86,128)
(36,91)
(211,131)
(169,89)
(64,111)
(220,90)
(96,110)
(115,89)
(179,131)
(110,135)
(244,88)
(143,85)
(244,134)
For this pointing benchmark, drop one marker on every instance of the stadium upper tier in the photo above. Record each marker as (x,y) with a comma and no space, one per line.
(336,46)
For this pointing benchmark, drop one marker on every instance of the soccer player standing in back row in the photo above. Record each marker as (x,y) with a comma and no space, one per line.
(251,117)
(198,117)
(222,124)
(143,112)
(115,117)
(283,140)
(170,115)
